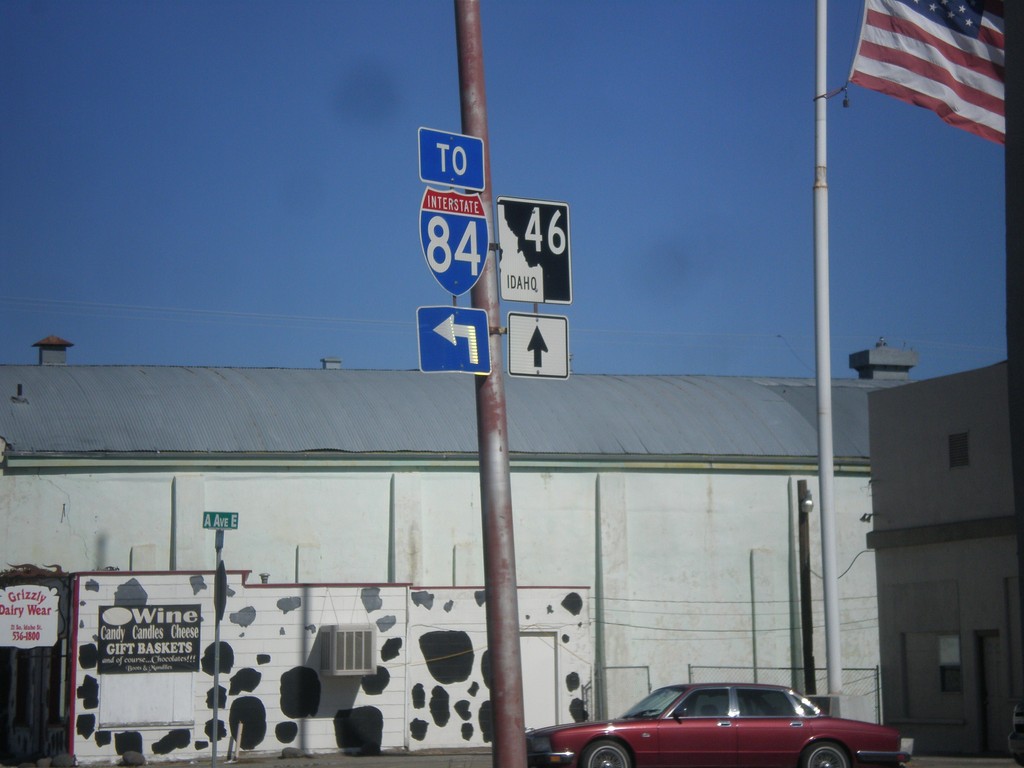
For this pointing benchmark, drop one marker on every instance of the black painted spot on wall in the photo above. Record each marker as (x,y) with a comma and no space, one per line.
(300,692)
(440,706)
(227,658)
(419,696)
(467,731)
(89,692)
(360,729)
(573,603)
(384,623)
(245,679)
(371,599)
(176,739)
(418,729)
(391,648)
(87,655)
(286,604)
(481,597)
(462,707)
(130,594)
(565,638)
(286,732)
(262,658)
(572,681)
(127,741)
(250,712)
(423,599)
(578,710)
(92,586)
(376,683)
(484,719)
(448,606)
(244,617)
(222,732)
(222,700)
(198,583)
(474,689)
(485,668)
(84,725)
(201,745)
(449,655)
(102,738)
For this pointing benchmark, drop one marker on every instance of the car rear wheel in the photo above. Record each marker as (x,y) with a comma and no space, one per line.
(825,754)
(606,754)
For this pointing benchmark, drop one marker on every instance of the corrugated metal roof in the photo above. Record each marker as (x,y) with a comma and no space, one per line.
(124,409)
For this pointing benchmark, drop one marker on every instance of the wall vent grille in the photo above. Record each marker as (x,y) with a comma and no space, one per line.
(348,650)
(959,450)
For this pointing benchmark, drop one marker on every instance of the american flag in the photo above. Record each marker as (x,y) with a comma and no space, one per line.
(943,55)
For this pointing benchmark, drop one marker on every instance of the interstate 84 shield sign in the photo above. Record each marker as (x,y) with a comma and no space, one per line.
(453,233)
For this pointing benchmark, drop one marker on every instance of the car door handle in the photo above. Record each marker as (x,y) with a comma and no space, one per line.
(725,723)
(796,724)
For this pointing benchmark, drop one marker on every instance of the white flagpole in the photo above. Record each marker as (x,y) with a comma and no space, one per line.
(824,365)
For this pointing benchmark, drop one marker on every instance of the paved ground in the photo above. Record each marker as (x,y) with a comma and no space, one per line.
(476,759)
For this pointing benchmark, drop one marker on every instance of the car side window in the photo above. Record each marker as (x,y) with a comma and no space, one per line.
(709,702)
(758,702)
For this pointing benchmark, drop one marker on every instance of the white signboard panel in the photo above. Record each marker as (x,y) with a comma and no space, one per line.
(538,346)
(28,616)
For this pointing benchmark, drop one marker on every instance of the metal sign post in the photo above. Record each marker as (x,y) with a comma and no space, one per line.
(218,521)
(215,728)
(492,437)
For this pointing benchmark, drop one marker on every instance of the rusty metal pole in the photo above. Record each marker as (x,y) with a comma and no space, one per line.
(506,682)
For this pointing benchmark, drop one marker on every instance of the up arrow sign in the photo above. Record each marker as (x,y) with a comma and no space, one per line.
(538,346)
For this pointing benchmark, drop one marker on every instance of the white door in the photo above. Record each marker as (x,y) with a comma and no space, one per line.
(540,679)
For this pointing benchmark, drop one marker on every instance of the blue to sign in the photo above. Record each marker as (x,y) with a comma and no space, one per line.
(452,159)
(453,230)
(453,339)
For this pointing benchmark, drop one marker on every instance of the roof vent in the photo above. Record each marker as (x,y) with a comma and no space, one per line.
(331,363)
(883,362)
(53,350)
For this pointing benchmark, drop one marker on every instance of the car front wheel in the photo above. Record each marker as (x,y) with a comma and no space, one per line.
(825,754)
(605,754)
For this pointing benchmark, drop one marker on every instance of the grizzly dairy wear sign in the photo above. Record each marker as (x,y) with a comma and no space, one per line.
(28,616)
(140,639)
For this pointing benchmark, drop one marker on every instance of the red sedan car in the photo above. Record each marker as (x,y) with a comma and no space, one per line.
(722,724)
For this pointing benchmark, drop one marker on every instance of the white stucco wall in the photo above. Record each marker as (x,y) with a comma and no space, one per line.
(671,555)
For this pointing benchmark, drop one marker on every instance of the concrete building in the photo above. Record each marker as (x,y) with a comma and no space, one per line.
(944,537)
(669,502)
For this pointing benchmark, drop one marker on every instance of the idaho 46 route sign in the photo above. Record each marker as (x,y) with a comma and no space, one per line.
(535,253)
(454,236)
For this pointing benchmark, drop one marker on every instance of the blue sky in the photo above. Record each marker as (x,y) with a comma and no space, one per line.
(236,183)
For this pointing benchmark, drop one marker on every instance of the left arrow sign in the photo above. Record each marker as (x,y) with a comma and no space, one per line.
(453,339)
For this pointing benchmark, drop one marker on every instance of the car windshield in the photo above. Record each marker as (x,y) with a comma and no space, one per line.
(654,703)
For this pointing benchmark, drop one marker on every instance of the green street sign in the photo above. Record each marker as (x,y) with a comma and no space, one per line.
(220,521)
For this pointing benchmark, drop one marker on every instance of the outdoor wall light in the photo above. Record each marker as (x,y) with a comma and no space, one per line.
(807,503)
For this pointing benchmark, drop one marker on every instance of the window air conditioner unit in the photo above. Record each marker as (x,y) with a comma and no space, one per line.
(348,650)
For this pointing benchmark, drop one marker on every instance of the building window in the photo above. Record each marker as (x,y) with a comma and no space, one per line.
(950,680)
(959,450)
